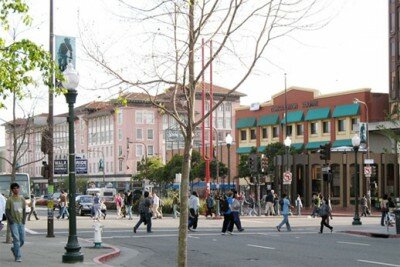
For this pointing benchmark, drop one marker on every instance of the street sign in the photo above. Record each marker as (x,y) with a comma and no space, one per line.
(367,171)
(60,166)
(368,161)
(173,135)
(81,166)
(287,177)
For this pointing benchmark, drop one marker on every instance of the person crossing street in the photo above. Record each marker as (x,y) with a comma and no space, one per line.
(285,210)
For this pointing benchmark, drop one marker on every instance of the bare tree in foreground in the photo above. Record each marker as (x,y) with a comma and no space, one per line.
(168,56)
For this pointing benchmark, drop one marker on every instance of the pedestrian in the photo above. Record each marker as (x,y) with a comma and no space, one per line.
(16,214)
(269,203)
(227,212)
(96,207)
(175,203)
(364,206)
(285,210)
(63,205)
(156,205)
(144,213)
(129,204)
(194,205)
(316,203)
(33,208)
(3,217)
(299,205)
(210,205)
(384,208)
(325,213)
(276,204)
(235,207)
(118,204)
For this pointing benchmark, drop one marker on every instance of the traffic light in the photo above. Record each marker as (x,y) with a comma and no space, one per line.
(325,151)
(253,163)
(264,163)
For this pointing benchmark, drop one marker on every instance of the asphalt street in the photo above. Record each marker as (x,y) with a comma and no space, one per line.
(260,245)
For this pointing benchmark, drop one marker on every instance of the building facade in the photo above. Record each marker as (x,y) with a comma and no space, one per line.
(313,120)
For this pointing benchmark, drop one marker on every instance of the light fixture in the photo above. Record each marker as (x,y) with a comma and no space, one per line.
(71,78)
(229,139)
(355,141)
(287,141)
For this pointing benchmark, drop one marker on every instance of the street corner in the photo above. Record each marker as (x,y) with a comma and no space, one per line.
(372,234)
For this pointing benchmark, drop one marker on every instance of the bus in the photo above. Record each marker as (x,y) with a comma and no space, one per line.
(24,182)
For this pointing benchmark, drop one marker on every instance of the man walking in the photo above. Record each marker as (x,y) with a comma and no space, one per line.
(156,205)
(129,204)
(299,205)
(2,210)
(269,203)
(194,205)
(210,205)
(145,213)
(228,216)
(16,214)
(63,205)
(175,203)
(325,213)
(33,208)
(285,210)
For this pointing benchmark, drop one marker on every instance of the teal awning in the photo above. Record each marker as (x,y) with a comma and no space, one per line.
(261,149)
(297,146)
(294,116)
(317,114)
(243,150)
(346,110)
(246,123)
(268,120)
(344,142)
(315,145)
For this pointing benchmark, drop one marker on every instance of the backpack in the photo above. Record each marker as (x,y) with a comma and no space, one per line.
(224,205)
(324,210)
(281,204)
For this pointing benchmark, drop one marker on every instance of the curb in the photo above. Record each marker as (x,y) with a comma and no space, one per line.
(108,256)
(376,235)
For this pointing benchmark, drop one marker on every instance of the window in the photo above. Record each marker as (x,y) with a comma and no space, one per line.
(275,132)
(253,134)
(139,134)
(119,151)
(299,129)
(326,127)
(150,134)
(228,107)
(289,130)
(150,117)
(139,150)
(228,123)
(119,134)
(314,128)
(150,150)
(139,117)
(120,117)
(120,166)
(243,135)
(220,123)
(341,126)
(264,133)
(354,124)
(112,166)
(221,107)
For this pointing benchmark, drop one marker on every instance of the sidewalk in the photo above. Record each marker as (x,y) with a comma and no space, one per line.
(39,250)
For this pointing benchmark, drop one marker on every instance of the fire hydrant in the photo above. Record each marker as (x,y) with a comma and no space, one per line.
(98,229)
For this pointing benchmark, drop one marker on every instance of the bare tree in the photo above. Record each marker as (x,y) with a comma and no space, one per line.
(168,57)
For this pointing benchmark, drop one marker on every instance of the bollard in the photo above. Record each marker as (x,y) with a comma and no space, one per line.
(98,229)
(397,214)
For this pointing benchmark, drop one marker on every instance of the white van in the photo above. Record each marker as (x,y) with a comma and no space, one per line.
(106,193)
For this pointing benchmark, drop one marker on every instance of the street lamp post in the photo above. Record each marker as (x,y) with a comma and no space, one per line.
(288,143)
(229,140)
(72,248)
(356,144)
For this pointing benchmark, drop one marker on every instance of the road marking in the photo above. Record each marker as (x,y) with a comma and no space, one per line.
(31,231)
(196,237)
(255,246)
(353,243)
(379,263)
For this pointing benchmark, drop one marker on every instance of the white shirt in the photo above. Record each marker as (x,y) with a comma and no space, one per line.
(2,206)
(194,202)
(156,200)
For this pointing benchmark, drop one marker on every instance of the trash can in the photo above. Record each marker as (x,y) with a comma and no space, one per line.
(397,214)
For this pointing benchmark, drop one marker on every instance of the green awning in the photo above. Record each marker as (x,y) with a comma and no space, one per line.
(261,149)
(243,150)
(294,116)
(246,123)
(346,110)
(317,114)
(315,145)
(297,146)
(344,142)
(268,120)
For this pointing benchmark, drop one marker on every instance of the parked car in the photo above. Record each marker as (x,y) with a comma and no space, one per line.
(84,205)
(44,199)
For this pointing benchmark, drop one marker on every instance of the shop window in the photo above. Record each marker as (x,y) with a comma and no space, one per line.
(264,133)
(313,128)
(341,125)
(275,132)
(326,127)
(289,130)
(243,135)
(299,129)
(253,134)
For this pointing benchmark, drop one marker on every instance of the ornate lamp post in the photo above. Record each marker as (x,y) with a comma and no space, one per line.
(288,143)
(72,248)
(356,145)
(229,140)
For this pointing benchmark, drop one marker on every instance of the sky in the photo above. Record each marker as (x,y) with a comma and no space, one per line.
(350,52)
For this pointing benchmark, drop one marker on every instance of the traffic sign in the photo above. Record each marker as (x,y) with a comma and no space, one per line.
(81,166)
(367,171)
(60,166)
(368,161)
(287,177)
